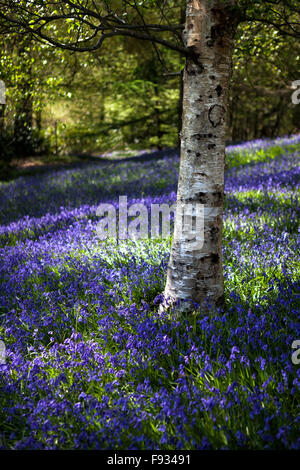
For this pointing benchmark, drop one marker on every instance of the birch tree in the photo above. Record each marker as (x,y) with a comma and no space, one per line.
(195,275)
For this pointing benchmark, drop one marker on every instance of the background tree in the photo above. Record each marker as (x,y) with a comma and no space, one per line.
(77,86)
(25,67)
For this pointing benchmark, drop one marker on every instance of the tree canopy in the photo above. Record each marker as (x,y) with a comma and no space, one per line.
(134,83)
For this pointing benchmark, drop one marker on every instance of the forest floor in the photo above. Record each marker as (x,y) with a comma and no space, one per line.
(39,164)
(89,362)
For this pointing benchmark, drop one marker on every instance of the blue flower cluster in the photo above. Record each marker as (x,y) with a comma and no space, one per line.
(90,364)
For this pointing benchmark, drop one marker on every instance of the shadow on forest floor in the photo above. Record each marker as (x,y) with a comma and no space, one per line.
(40,165)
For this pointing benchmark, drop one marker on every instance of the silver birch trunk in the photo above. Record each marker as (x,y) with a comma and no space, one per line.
(195,276)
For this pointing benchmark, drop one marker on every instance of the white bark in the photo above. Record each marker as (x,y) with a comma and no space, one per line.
(195,276)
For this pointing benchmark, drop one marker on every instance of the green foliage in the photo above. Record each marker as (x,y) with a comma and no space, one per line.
(265,63)
(238,158)
(127,94)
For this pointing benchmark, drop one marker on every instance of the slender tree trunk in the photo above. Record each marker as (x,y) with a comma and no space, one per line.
(38,120)
(157,112)
(2,117)
(195,276)
(24,106)
(23,127)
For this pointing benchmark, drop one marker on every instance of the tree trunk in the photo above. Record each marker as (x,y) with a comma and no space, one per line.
(158,122)
(180,107)
(2,115)
(24,106)
(195,276)
(23,127)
